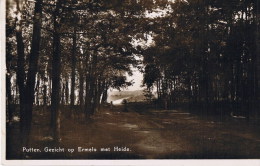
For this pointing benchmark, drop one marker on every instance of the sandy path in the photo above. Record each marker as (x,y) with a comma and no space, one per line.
(153,134)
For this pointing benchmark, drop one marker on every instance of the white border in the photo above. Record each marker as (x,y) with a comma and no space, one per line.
(85,162)
(2,79)
(138,162)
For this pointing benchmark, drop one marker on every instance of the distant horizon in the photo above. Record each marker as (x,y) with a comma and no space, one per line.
(137,78)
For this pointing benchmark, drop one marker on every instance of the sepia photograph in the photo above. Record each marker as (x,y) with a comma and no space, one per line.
(131,80)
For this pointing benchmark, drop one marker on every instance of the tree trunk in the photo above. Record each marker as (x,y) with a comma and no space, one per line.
(44,96)
(20,70)
(56,71)
(10,104)
(87,96)
(104,95)
(67,93)
(63,94)
(37,91)
(93,84)
(73,72)
(10,101)
(28,91)
(257,68)
(81,86)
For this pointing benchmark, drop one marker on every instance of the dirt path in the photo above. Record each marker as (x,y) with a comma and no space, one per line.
(171,134)
(155,134)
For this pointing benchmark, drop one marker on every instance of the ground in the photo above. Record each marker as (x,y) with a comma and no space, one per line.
(141,133)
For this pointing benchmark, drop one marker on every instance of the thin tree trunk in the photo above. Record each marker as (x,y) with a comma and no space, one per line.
(87,99)
(81,86)
(257,68)
(37,92)
(20,69)
(10,103)
(44,96)
(104,95)
(63,94)
(93,84)
(67,93)
(73,72)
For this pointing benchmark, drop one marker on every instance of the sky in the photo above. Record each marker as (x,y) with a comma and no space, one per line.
(138,78)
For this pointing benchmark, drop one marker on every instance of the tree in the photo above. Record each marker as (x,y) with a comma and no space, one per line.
(56,71)
(26,91)
(204,52)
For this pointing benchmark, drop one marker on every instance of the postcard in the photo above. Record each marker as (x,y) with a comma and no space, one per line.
(133,82)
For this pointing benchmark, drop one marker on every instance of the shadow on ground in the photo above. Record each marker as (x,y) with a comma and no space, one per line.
(140,133)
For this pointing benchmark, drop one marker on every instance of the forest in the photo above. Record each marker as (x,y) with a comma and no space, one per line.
(67,55)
